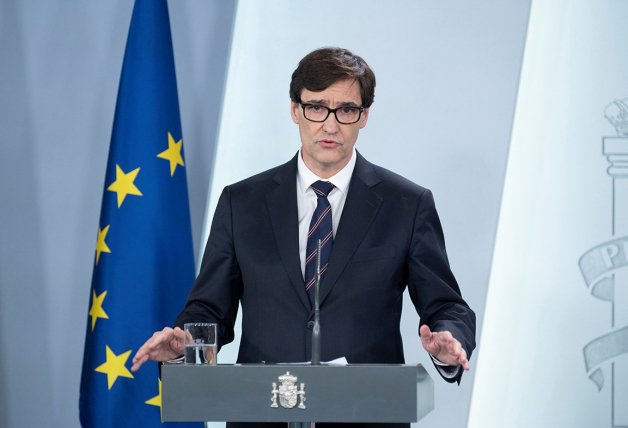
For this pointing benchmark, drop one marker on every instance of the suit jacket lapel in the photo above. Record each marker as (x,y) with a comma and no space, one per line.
(358,213)
(282,205)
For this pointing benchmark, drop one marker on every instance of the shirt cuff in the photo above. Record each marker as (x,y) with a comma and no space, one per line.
(445,370)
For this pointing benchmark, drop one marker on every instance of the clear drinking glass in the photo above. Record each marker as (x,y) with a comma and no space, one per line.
(200,344)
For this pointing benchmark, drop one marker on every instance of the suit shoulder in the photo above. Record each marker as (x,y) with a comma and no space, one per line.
(262,180)
(393,181)
(256,179)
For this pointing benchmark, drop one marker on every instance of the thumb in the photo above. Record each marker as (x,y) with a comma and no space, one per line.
(428,340)
(424,332)
(426,337)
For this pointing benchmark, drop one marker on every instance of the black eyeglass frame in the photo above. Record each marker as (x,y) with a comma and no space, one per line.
(332,110)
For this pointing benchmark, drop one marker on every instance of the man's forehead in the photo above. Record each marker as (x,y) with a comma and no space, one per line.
(340,92)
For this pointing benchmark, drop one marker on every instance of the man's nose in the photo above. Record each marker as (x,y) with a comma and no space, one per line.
(331,125)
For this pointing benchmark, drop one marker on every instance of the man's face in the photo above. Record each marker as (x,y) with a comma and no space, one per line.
(327,146)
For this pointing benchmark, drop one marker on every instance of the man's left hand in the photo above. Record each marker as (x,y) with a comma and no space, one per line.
(444,347)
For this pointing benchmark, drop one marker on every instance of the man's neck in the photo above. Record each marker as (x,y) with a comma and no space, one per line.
(322,172)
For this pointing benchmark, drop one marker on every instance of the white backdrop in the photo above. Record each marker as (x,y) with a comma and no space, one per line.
(558,206)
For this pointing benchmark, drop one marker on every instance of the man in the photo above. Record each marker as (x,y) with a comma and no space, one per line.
(379,232)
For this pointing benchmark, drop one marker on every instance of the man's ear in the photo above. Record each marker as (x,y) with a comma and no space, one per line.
(294,112)
(364,118)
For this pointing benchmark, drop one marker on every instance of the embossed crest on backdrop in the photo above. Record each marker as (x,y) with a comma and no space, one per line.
(605,271)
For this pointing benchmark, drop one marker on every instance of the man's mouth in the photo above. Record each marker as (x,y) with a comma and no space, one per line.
(328,143)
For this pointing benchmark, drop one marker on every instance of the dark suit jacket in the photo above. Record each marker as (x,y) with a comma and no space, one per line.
(389,238)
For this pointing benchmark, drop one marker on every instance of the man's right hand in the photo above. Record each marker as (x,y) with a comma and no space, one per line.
(164,345)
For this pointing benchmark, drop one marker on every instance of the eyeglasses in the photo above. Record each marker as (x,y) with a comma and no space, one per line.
(319,113)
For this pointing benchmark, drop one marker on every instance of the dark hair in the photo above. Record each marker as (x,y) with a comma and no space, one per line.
(323,67)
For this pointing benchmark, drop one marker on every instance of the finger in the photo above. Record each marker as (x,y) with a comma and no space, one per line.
(142,352)
(424,330)
(137,362)
(138,355)
(458,354)
(161,344)
(177,342)
(455,351)
(151,344)
(444,338)
(181,335)
(428,340)
(463,361)
(426,336)
(161,337)
(141,356)
(150,348)
(441,341)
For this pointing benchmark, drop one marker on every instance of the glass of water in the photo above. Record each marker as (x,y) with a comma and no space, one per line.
(200,343)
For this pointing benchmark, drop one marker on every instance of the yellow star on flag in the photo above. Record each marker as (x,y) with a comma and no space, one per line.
(156,400)
(114,366)
(173,153)
(124,185)
(101,245)
(96,311)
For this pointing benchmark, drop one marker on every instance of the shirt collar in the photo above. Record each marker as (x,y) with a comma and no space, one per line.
(340,180)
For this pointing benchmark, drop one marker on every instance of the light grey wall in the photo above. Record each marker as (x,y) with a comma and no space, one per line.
(447,80)
(59,71)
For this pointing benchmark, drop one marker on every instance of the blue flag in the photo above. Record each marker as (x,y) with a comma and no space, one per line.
(144,262)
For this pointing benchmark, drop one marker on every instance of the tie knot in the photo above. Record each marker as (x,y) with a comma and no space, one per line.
(322,188)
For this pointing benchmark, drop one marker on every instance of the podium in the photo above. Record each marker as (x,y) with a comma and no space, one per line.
(295,393)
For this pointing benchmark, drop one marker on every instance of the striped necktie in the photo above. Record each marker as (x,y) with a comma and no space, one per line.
(320,228)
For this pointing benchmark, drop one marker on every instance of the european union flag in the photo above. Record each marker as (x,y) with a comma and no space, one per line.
(144,262)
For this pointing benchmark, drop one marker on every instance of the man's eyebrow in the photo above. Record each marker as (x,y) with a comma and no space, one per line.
(323,102)
(326,103)
(347,104)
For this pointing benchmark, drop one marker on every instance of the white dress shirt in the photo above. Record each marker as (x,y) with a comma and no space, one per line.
(306,199)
